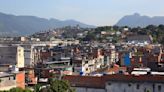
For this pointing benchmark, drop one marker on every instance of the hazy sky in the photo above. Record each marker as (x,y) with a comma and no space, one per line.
(96,12)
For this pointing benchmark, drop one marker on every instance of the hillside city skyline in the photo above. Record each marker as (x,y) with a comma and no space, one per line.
(81,46)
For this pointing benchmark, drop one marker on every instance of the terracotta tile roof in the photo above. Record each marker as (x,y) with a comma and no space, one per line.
(139,38)
(99,82)
(85,81)
(116,69)
(132,78)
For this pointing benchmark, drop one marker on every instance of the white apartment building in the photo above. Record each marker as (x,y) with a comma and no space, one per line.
(31,55)
(88,65)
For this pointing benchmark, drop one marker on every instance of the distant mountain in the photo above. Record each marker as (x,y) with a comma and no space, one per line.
(11,24)
(136,20)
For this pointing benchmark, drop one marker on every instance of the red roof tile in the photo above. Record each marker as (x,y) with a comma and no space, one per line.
(99,82)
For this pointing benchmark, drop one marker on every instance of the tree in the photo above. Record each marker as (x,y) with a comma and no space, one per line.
(161,27)
(18,90)
(37,88)
(58,86)
(151,27)
(90,37)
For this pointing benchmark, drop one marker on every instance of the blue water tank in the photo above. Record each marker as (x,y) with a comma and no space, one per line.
(127,60)
(81,73)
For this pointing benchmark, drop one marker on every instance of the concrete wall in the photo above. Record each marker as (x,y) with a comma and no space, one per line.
(7,83)
(89,65)
(134,87)
(31,55)
(12,55)
(20,80)
(8,55)
(20,57)
(28,55)
(82,89)
(112,56)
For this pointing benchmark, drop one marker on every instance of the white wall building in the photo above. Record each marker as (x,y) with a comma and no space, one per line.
(88,65)
(31,55)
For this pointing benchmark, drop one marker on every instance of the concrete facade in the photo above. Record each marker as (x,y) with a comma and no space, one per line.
(12,55)
(31,55)
(12,80)
(7,82)
(134,87)
(83,89)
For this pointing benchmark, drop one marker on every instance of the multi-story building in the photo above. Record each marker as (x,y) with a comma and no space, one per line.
(31,55)
(87,63)
(12,55)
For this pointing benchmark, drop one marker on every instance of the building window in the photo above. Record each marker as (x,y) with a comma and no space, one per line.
(144,89)
(86,62)
(159,88)
(86,69)
(109,83)
(138,86)
(129,85)
(124,90)
(14,78)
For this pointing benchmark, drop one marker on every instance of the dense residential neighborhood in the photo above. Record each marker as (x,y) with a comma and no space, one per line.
(103,59)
